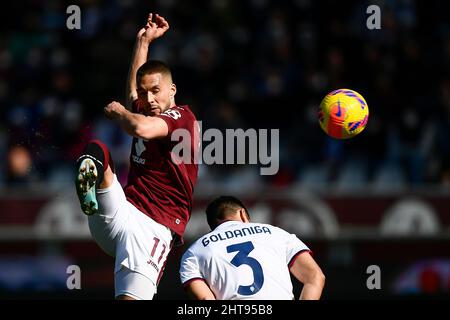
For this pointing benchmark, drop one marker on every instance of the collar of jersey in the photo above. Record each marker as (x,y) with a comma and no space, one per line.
(227,223)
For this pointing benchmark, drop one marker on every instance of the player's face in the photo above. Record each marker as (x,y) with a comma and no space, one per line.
(156,93)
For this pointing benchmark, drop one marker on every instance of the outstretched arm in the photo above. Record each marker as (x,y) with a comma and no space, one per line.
(306,270)
(154,29)
(137,125)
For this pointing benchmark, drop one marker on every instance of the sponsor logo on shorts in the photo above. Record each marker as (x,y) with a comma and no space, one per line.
(154,265)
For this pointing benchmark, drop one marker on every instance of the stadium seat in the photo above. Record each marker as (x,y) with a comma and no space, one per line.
(389,176)
(60,176)
(353,175)
(315,177)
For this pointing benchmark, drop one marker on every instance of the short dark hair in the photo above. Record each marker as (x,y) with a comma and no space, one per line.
(218,209)
(153,66)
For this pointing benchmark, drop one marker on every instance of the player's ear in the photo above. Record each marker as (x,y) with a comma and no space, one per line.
(243,215)
(173,90)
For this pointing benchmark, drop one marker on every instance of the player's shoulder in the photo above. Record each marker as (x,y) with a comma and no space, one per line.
(179,112)
(183,108)
(186,109)
(192,250)
(197,248)
(263,225)
(199,243)
(273,229)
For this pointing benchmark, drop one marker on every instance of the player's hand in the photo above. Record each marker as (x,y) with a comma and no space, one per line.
(156,26)
(114,110)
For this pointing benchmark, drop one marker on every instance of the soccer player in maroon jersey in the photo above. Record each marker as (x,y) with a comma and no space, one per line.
(139,223)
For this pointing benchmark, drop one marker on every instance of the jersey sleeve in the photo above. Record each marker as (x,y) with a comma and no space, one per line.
(189,268)
(177,118)
(294,247)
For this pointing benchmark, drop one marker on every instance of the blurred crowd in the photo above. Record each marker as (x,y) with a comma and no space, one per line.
(238,64)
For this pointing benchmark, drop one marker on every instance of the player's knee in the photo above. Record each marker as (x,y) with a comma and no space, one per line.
(96,147)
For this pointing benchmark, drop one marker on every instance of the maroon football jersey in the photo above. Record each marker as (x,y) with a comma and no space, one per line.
(159,183)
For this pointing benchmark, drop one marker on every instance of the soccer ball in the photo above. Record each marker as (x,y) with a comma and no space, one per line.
(343,114)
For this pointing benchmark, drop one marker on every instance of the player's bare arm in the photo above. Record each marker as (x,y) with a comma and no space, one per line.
(306,270)
(156,26)
(199,290)
(137,125)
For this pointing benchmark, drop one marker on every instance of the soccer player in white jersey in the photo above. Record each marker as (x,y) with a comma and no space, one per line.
(241,260)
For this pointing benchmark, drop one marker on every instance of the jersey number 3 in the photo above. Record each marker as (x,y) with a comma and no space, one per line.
(241,258)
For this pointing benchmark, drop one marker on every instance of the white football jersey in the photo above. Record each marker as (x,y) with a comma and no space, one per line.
(242,261)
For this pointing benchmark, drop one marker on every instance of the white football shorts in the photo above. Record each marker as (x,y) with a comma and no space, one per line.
(139,244)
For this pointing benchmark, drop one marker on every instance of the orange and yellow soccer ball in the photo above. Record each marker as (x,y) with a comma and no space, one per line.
(343,114)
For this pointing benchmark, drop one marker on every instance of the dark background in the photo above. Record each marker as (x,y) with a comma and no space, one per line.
(238,64)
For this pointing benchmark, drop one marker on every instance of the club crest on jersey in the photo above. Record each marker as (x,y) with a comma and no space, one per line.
(175,114)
